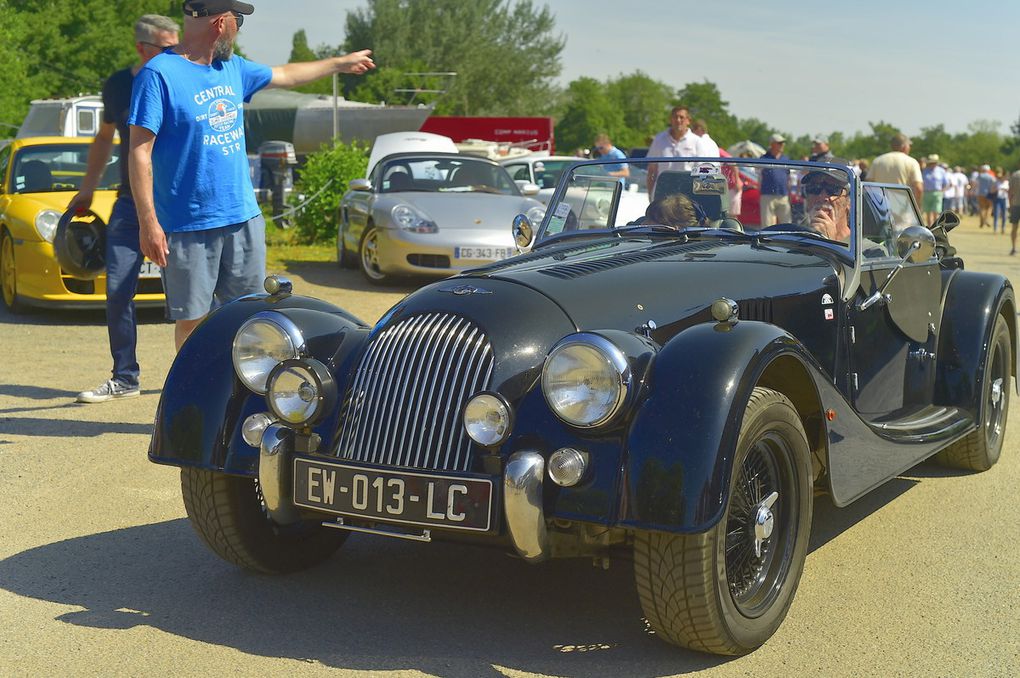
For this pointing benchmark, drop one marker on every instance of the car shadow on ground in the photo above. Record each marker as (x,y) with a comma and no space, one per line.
(378,604)
(67,428)
(76,317)
(328,274)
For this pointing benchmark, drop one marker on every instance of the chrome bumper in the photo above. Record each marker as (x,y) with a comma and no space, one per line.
(275,468)
(522,505)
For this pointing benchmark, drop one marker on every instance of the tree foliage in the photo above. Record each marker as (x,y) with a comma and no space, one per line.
(590,112)
(324,179)
(504,53)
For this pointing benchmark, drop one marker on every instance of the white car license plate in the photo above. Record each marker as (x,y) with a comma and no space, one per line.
(425,499)
(490,253)
(148,270)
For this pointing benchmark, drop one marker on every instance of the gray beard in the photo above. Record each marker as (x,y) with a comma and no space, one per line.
(223,50)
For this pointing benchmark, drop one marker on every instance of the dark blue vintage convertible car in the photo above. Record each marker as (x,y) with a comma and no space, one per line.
(676,388)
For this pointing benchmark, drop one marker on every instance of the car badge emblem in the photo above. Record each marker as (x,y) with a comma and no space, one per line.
(461,290)
(826,299)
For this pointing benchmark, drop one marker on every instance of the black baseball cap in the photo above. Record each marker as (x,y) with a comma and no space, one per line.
(196,8)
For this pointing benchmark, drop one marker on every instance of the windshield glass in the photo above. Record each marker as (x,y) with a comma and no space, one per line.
(811,200)
(60,167)
(445,175)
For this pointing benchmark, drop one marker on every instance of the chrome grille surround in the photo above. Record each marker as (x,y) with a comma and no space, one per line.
(405,403)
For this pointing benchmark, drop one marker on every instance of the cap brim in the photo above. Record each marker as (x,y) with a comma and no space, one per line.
(244,7)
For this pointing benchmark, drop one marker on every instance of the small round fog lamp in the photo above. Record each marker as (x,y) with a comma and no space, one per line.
(725,310)
(254,427)
(487,419)
(300,392)
(567,466)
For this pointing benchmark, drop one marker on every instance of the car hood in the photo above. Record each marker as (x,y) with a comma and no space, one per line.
(469,210)
(624,283)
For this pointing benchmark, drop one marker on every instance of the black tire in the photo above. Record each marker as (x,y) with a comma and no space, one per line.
(228,514)
(367,259)
(980,449)
(9,275)
(709,591)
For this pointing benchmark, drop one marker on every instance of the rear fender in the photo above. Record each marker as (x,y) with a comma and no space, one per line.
(203,403)
(681,443)
(968,317)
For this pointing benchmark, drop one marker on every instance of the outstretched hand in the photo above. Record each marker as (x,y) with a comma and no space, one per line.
(356,63)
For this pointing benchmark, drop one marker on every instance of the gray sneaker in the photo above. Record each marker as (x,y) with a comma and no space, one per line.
(108,390)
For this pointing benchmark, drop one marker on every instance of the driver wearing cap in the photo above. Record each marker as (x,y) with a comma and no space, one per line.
(827,204)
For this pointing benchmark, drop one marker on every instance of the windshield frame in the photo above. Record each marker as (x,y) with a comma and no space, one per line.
(850,256)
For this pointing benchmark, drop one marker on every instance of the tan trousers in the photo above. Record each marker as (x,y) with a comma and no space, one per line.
(775,209)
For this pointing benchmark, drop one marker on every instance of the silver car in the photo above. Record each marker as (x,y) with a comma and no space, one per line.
(430,214)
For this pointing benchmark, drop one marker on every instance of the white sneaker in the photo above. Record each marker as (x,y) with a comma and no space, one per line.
(108,390)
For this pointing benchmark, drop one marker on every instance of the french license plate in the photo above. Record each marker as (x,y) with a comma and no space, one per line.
(491,253)
(148,270)
(425,499)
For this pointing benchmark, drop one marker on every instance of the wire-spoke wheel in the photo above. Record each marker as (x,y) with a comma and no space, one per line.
(727,590)
(9,274)
(369,257)
(980,449)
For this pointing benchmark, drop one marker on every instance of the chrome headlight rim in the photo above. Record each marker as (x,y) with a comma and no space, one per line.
(287,327)
(503,404)
(613,355)
(43,226)
(325,391)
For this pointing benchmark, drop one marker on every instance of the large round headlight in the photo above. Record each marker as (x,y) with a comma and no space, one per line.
(46,223)
(262,343)
(585,380)
(487,419)
(300,391)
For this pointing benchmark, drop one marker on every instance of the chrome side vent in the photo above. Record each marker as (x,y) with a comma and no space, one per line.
(406,398)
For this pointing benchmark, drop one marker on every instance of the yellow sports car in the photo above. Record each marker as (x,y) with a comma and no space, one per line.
(38,177)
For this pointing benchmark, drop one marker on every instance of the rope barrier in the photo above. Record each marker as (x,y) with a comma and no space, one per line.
(298,208)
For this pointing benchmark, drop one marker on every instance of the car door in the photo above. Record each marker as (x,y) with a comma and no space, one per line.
(356,210)
(893,344)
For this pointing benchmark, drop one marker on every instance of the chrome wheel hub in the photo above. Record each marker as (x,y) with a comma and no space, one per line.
(764,522)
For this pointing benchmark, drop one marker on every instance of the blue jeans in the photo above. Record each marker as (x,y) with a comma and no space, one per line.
(999,214)
(123,260)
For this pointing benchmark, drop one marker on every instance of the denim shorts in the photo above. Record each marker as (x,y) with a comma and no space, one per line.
(205,269)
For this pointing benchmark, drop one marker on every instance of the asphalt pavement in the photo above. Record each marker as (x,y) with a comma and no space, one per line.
(101,574)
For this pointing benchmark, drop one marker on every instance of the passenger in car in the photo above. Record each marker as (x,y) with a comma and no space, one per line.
(676,210)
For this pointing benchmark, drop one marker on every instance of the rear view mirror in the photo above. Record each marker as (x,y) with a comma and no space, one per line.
(916,244)
(360,185)
(523,231)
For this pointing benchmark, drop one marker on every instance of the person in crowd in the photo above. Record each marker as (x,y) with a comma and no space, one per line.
(897,167)
(774,187)
(973,205)
(949,194)
(678,141)
(961,186)
(999,209)
(820,149)
(153,33)
(1014,208)
(700,128)
(987,194)
(197,214)
(935,181)
(675,210)
(607,151)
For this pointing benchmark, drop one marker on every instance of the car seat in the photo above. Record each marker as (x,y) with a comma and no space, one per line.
(471,174)
(37,177)
(399,182)
(674,181)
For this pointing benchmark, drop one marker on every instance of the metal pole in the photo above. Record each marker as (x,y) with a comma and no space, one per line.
(336,108)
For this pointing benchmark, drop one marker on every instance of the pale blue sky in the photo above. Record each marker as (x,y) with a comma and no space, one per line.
(805,67)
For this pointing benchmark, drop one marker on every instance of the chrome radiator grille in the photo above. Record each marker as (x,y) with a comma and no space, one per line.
(405,402)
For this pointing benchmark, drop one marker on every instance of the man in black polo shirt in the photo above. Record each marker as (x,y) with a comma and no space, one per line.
(153,33)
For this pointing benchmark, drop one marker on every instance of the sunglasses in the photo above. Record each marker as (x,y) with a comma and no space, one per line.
(239,17)
(152,44)
(828,189)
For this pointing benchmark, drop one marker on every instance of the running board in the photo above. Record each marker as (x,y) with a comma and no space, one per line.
(338,524)
(931,423)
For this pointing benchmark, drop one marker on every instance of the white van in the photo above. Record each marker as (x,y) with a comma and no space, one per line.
(74,117)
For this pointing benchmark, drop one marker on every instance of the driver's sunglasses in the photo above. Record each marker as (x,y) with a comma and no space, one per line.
(239,17)
(831,190)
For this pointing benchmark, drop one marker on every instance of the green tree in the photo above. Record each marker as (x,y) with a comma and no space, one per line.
(644,104)
(504,53)
(300,51)
(704,102)
(589,113)
(324,180)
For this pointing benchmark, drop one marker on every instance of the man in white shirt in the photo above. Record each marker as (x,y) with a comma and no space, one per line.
(962,183)
(676,142)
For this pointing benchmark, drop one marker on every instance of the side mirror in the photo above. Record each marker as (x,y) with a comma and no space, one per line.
(916,244)
(360,185)
(947,221)
(530,189)
(523,232)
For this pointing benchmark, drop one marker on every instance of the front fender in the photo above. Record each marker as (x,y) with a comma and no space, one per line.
(203,402)
(681,443)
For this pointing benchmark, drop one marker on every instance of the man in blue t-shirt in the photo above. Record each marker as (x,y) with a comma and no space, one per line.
(609,152)
(197,214)
(774,188)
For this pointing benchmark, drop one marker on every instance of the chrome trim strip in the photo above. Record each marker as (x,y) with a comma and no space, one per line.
(522,504)
(426,535)
(274,474)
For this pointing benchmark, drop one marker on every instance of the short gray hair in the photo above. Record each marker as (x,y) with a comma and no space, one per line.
(148,28)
